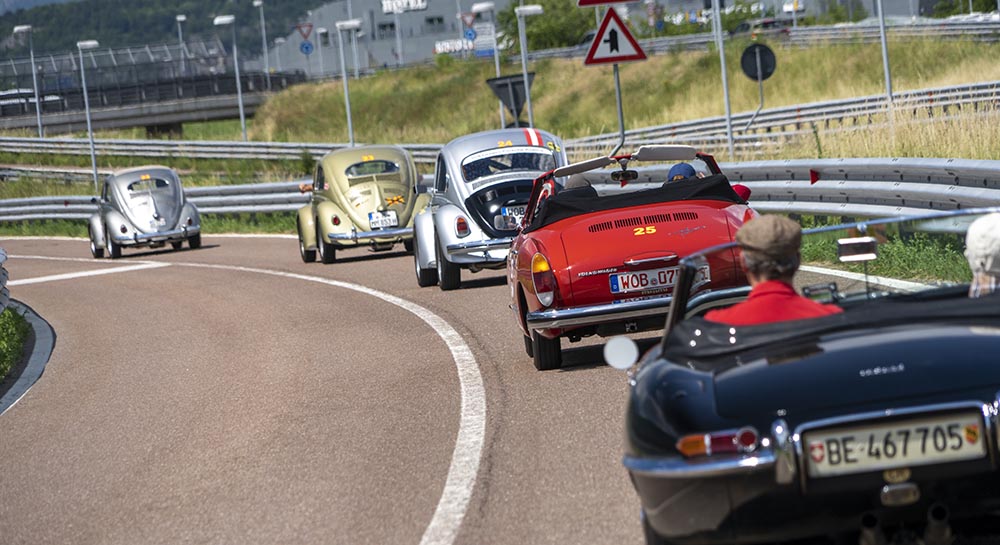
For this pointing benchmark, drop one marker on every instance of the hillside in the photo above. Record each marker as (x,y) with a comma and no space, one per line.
(14,5)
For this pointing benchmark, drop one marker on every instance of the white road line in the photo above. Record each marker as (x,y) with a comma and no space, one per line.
(875,280)
(467,454)
(72,276)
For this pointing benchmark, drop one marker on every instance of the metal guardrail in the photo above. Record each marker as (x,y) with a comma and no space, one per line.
(837,187)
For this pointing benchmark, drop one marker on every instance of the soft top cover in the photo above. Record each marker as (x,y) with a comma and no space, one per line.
(582,200)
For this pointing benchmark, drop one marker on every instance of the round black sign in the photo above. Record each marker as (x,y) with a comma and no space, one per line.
(748,62)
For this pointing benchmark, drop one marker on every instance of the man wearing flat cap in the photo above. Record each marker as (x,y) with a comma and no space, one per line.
(770,250)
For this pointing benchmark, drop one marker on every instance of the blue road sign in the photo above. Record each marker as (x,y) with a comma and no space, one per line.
(306,47)
(470,34)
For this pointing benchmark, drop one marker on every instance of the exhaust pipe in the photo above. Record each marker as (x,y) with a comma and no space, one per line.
(871,530)
(938,531)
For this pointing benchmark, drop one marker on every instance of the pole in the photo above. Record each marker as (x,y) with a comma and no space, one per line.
(239,85)
(621,115)
(319,49)
(347,94)
(760,85)
(795,13)
(717,28)
(496,64)
(399,38)
(277,56)
(180,43)
(90,129)
(354,39)
(34,83)
(263,42)
(524,69)
(885,53)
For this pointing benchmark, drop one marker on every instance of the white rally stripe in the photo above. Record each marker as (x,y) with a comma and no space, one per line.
(72,276)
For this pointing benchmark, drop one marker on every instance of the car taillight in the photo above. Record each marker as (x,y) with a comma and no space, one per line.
(123,229)
(190,221)
(739,441)
(462,227)
(335,220)
(543,279)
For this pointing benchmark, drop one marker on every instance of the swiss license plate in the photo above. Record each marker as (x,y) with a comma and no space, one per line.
(379,220)
(917,442)
(516,212)
(628,282)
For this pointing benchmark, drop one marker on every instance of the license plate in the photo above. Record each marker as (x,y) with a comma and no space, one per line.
(629,282)
(516,212)
(917,442)
(379,220)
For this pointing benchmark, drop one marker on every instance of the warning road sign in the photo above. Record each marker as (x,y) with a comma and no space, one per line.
(468,18)
(614,43)
(305,29)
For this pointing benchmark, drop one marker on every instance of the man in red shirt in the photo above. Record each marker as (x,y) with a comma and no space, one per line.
(771,257)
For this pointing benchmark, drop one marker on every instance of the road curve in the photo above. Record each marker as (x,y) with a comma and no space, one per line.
(200,404)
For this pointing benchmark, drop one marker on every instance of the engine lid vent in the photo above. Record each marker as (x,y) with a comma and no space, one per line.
(685,216)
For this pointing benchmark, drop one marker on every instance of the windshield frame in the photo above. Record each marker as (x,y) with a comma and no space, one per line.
(506,150)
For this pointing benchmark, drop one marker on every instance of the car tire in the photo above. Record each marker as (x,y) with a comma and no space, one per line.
(425,277)
(177,244)
(308,256)
(327,251)
(194,242)
(408,245)
(113,248)
(652,538)
(529,346)
(547,352)
(94,250)
(449,274)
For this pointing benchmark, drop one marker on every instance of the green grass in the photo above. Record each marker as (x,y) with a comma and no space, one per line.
(14,330)
(279,223)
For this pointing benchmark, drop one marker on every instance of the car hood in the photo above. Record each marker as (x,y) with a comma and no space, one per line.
(378,192)
(856,370)
(641,238)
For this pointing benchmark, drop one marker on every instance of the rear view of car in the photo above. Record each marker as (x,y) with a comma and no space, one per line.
(142,207)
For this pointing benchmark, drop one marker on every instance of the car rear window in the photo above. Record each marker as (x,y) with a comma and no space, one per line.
(368,168)
(148,184)
(510,159)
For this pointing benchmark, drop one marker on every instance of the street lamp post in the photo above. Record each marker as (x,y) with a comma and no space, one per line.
(263,41)
(278,42)
(180,40)
(351,25)
(230,20)
(522,12)
(354,37)
(320,32)
(482,7)
(19,29)
(80,46)
(399,36)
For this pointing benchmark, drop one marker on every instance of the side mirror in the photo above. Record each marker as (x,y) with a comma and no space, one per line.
(425,184)
(624,175)
(93,200)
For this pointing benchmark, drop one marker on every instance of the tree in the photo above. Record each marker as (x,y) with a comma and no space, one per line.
(562,25)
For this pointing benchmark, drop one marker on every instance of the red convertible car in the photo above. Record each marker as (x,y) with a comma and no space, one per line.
(599,254)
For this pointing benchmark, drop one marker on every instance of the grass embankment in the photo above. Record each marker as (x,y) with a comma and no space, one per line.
(14,331)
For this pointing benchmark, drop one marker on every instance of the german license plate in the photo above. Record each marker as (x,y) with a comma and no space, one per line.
(379,220)
(917,442)
(516,212)
(628,282)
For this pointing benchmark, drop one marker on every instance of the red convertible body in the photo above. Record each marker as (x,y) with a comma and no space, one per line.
(599,256)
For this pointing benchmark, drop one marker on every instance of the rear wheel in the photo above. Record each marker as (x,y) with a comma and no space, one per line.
(408,245)
(94,250)
(652,538)
(177,244)
(113,248)
(547,352)
(449,274)
(425,277)
(308,256)
(194,242)
(327,251)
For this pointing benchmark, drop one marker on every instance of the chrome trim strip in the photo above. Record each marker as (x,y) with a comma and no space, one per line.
(785,463)
(664,258)
(875,416)
(680,468)
(162,236)
(597,314)
(480,245)
(366,235)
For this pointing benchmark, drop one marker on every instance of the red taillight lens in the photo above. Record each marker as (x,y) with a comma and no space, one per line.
(462,227)
(739,441)
(123,229)
(335,220)
(543,279)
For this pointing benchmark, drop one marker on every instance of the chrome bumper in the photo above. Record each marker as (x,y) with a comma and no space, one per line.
(161,236)
(354,236)
(679,468)
(597,314)
(480,246)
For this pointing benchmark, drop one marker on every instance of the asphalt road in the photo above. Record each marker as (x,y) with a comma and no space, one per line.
(193,404)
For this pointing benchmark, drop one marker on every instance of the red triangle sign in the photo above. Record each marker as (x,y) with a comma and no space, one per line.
(614,43)
(468,19)
(305,29)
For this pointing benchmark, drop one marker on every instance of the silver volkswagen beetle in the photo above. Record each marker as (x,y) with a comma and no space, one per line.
(482,183)
(143,207)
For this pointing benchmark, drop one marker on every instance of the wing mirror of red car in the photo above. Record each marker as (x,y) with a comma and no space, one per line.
(624,175)
(93,200)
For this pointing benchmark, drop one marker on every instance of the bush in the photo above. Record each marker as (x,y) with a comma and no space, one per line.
(14,331)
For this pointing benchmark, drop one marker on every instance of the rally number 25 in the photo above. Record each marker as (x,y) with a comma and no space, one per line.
(647,230)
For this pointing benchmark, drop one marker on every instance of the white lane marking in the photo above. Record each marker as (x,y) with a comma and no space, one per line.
(876,280)
(72,276)
(465,459)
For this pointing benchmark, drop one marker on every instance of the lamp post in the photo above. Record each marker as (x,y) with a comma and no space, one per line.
(263,42)
(180,39)
(278,42)
(20,29)
(482,7)
(354,36)
(230,20)
(352,25)
(399,36)
(522,12)
(320,32)
(80,46)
